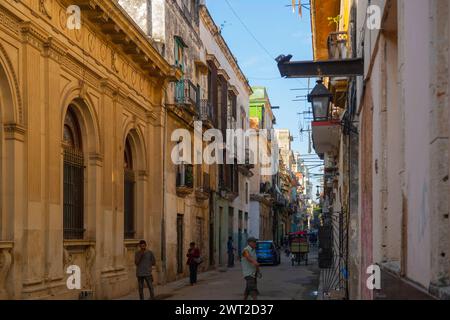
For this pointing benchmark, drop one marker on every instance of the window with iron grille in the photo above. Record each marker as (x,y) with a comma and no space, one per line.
(73,179)
(129,193)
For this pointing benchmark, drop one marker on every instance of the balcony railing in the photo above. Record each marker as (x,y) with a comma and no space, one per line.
(337,45)
(206,111)
(185,176)
(186,93)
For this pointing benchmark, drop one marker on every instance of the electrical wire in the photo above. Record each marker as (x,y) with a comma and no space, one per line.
(249,31)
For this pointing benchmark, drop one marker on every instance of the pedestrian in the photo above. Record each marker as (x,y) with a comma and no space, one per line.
(250,269)
(193,261)
(230,251)
(144,260)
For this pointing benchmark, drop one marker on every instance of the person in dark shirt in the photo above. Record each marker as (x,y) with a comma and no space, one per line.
(193,256)
(230,251)
(144,260)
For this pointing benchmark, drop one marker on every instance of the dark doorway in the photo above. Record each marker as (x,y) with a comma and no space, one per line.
(180,238)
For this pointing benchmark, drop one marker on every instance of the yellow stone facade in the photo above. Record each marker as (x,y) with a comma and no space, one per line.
(112,81)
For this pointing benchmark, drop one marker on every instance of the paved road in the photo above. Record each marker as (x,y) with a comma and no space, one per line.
(282,282)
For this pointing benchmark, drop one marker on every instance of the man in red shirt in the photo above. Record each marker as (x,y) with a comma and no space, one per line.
(193,262)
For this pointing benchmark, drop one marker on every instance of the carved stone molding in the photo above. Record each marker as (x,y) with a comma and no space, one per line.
(114,64)
(67,258)
(109,88)
(96,159)
(34,35)
(90,261)
(55,50)
(10,23)
(14,131)
(44,8)
(16,82)
(5,265)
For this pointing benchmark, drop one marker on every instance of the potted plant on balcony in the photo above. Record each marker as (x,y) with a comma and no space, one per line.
(337,41)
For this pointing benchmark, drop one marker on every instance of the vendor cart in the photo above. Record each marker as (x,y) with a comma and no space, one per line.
(299,247)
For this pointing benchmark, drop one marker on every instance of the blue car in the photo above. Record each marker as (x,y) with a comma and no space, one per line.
(267,252)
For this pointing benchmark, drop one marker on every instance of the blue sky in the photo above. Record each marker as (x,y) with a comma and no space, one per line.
(280,31)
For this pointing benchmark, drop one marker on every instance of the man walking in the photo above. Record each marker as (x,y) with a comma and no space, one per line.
(144,260)
(230,251)
(250,269)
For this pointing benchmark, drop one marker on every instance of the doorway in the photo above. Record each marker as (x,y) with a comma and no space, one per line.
(180,238)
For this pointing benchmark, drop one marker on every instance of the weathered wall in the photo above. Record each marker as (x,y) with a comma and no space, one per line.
(366,190)
(112,97)
(414,83)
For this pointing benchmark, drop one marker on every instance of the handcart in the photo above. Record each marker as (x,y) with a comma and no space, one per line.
(299,247)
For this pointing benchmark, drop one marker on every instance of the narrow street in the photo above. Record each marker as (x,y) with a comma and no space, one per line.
(282,282)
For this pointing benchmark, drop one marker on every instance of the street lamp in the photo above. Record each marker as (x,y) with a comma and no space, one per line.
(320,99)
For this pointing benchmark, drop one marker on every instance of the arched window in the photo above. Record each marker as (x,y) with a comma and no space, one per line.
(73,196)
(129,190)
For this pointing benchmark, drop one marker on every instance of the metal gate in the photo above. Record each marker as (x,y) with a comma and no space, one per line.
(333,255)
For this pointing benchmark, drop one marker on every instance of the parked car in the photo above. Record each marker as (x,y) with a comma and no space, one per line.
(267,252)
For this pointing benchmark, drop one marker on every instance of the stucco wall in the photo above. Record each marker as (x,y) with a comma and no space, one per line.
(415,76)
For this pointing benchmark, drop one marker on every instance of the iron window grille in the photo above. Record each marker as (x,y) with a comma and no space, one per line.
(73,197)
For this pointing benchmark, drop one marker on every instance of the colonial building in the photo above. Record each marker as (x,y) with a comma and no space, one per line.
(228,94)
(82,132)
(262,184)
(175,28)
(386,165)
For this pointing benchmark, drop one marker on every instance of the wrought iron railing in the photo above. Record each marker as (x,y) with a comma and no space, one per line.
(337,45)
(206,110)
(186,92)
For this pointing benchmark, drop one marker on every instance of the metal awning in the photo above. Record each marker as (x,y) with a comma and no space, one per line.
(324,68)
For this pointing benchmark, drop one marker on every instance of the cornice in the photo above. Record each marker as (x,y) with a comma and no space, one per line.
(234,90)
(224,74)
(14,131)
(214,30)
(213,59)
(33,34)
(55,49)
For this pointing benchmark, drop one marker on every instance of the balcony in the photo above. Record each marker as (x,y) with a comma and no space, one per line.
(206,112)
(186,95)
(337,46)
(203,188)
(245,168)
(326,133)
(185,179)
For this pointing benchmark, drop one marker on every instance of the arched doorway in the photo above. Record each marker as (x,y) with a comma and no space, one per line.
(129,192)
(73,178)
